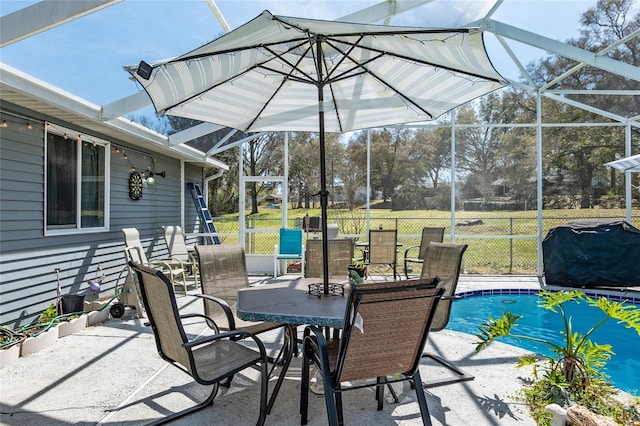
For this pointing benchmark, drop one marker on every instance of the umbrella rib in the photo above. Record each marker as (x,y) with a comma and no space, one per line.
(330,79)
(292,65)
(282,82)
(380,80)
(253,67)
(234,50)
(208,88)
(412,59)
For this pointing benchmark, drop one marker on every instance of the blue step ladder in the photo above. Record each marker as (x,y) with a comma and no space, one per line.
(203,212)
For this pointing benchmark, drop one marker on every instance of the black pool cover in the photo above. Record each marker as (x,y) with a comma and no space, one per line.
(592,254)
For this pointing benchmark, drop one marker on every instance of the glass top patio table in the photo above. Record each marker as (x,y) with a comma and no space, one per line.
(288,301)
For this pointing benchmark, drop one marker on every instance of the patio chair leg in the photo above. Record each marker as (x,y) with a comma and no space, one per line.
(380,392)
(422,400)
(304,391)
(290,344)
(189,410)
(462,376)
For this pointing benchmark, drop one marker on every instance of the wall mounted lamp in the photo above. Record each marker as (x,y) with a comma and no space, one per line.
(152,176)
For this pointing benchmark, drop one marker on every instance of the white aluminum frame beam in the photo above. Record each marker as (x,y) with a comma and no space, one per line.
(216,11)
(192,133)
(45,15)
(600,53)
(216,149)
(382,11)
(562,49)
(126,105)
(585,107)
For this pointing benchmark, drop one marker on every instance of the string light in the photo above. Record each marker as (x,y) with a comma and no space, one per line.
(22,121)
(125,156)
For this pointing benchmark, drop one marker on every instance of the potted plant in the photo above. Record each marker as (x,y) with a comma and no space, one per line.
(358,266)
(70,316)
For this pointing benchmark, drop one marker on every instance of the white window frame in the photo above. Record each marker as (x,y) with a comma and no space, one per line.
(78,138)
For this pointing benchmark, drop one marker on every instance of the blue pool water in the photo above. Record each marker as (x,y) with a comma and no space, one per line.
(623,368)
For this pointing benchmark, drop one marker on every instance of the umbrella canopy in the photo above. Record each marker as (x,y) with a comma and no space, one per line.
(628,164)
(279,73)
(259,76)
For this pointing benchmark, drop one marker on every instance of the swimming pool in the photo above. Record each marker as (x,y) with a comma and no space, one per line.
(624,367)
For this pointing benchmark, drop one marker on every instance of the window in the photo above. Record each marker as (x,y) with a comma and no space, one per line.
(77,182)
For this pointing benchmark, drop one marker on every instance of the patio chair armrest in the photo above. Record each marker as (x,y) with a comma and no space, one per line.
(452,297)
(406,252)
(210,322)
(167,263)
(225,307)
(170,261)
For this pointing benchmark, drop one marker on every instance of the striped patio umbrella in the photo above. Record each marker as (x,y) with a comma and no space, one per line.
(279,73)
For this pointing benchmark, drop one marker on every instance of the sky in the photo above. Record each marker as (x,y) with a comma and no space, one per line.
(85,57)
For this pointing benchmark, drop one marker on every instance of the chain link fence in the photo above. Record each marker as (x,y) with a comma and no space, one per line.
(499,245)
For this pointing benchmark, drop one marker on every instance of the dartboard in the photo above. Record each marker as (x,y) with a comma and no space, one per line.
(135,186)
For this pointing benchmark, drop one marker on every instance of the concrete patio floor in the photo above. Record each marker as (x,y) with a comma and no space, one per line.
(111,374)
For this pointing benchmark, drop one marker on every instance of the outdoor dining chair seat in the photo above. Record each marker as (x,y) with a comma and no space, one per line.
(223,271)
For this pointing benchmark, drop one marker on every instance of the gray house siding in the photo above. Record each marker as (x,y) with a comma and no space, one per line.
(28,259)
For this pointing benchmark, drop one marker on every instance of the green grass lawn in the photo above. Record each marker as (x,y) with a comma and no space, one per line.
(505,242)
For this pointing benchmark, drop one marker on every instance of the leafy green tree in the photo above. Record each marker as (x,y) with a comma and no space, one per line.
(575,156)
(478,148)
(304,166)
(390,149)
(262,157)
(430,155)
(354,168)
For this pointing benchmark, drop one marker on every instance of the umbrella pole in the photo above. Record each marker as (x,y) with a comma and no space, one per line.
(324,194)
